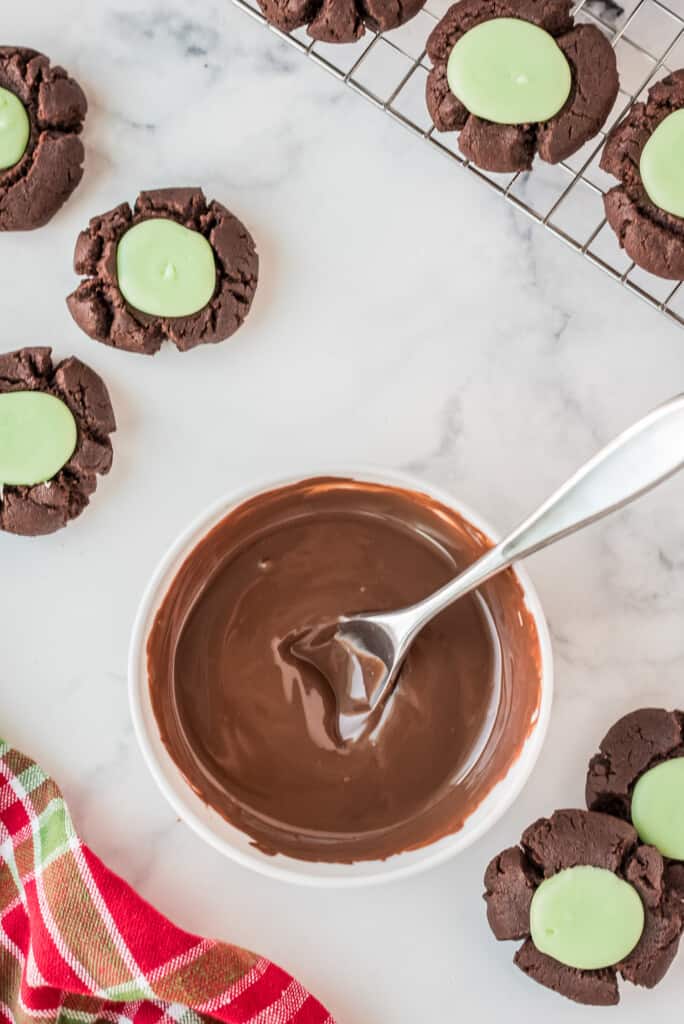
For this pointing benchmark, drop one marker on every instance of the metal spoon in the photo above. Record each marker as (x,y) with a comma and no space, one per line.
(361,655)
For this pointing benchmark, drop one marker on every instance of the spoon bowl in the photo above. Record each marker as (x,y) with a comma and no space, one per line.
(358,657)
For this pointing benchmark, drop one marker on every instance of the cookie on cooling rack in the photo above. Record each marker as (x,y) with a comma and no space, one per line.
(175,267)
(638,775)
(645,151)
(41,155)
(590,903)
(518,78)
(339,21)
(55,423)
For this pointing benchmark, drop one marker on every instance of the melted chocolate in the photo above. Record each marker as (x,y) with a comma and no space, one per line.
(252,728)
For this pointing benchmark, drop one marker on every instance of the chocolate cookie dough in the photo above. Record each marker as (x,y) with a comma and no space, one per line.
(573,887)
(253,728)
(76,412)
(339,21)
(638,775)
(496,146)
(42,111)
(191,264)
(649,234)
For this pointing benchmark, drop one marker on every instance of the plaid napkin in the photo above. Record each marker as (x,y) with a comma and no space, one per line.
(79,946)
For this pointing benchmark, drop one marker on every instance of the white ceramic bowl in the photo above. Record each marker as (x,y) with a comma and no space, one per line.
(235,844)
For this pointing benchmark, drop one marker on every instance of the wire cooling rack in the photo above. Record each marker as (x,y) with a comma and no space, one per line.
(390,69)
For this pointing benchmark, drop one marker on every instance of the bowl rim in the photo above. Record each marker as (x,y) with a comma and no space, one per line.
(282,868)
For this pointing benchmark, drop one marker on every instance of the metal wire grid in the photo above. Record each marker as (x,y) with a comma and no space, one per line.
(389,69)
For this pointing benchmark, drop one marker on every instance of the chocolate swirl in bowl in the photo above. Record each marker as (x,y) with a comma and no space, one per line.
(251,728)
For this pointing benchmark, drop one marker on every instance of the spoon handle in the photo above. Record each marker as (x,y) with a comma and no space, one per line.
(639,459)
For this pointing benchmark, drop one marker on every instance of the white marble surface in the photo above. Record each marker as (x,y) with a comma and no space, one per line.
(404,317)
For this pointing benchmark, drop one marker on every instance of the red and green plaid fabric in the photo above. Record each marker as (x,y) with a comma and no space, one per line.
(79,946)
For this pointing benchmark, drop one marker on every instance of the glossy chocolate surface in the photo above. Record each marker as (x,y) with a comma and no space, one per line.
(252,728)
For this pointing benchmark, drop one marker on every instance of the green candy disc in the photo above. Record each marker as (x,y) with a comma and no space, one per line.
(658,808)
(38,436)
(586,918)
(165,269)
(510,72)
(662,165)
(15,129)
